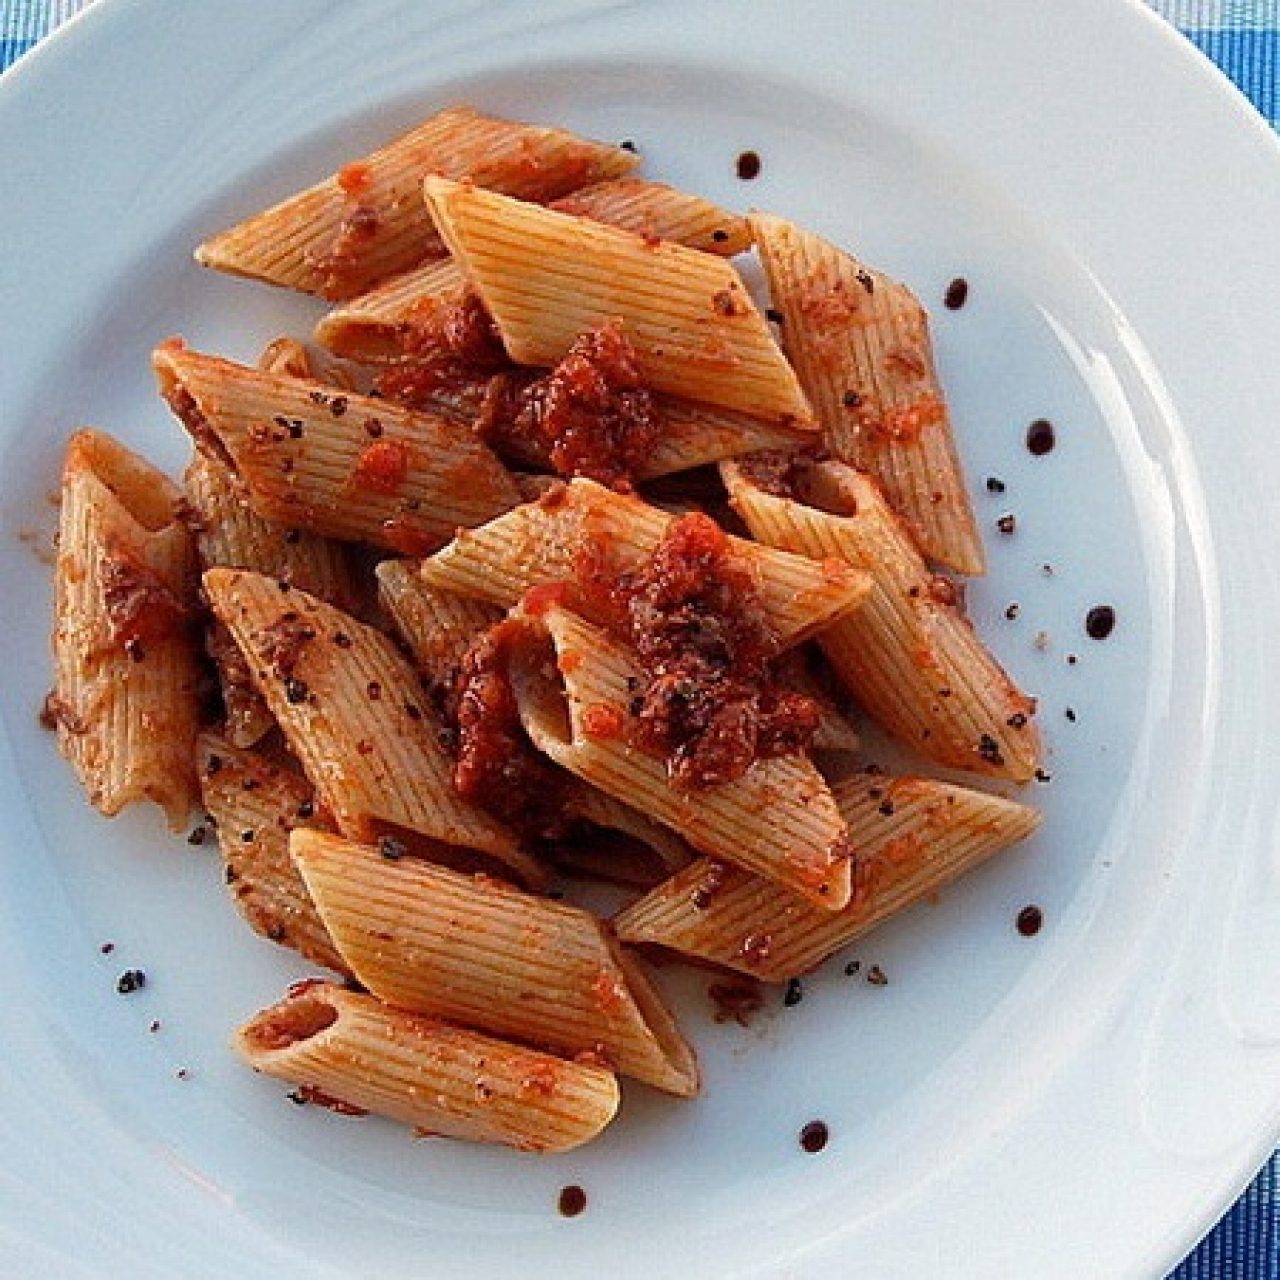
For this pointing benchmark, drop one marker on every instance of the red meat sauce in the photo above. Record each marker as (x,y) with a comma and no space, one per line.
(496,766)
(141,609)
(589,416)
(707,700)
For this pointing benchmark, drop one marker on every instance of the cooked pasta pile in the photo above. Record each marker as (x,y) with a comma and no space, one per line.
(556,552)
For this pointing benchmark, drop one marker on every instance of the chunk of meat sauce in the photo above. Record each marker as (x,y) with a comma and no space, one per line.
(141,609)
(592,413)
(448,354)
(589,416)
(709,701)
(497,767)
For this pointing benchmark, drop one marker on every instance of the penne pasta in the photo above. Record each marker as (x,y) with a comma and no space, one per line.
(860,344)
(366,222)
(438,626)
(909,655)
(354,714)
(546,278)
(656,211)
(372,327)
(914,836)
(333,463)
(545,541)
(125,697)
(255,804)
(229,532)
(478,952)
(641,851)
(352,1053)
(778,820)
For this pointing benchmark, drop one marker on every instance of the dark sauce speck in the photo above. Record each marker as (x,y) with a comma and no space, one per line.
(1100,621)
(814,1136)
(131,980)
(956,295)
(748,165)
(1029,921)
(573,1200)
(1041,437)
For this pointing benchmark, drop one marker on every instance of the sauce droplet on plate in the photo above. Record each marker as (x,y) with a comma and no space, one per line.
(1029,921)
(1041,437)
(573,1200)
(1100,621)
(956,295)
(748,165)
(813,1137)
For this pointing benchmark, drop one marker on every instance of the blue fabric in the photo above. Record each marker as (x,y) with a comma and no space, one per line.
(1243,38)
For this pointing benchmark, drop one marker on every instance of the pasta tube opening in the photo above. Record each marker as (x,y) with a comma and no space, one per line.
(283,1026)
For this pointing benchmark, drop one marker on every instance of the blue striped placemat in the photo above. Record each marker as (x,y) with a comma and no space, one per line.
(1243,38)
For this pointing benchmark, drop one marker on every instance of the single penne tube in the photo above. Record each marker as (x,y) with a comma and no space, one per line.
(255,803)
(125,702)
(547,277)
(914,836)
(438,626)
(545,540)
(694,435)
(656,211)
(372,327)
(354,713)
(478,952)
(330,462)
(571,683)
(909,655)
(229,532)
(355,1054)
(859,341)
(367,222)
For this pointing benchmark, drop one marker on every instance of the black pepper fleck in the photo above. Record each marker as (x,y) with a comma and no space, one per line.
(793,994)
(877,977)
(391,848)
(1007,524)
(995,486)
(295,690)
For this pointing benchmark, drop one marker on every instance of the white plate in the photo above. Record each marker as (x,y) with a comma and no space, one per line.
(1079,1104)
